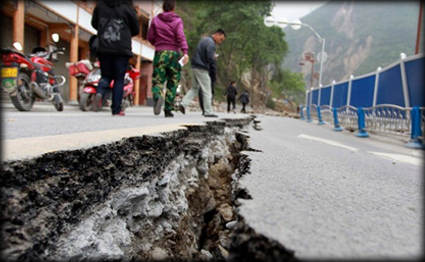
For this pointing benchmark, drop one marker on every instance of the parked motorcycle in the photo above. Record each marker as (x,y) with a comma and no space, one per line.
(30,78)
(80,70)
(90,86)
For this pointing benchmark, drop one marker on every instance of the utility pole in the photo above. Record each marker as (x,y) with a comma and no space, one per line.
(418,34)
(309,56)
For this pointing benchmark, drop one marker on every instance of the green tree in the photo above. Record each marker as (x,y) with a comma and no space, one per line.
(288,85)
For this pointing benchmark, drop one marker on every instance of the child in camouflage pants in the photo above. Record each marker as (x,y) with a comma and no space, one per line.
(166,69)
(166,33)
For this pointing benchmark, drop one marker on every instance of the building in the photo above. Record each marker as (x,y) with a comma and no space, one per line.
(33,22)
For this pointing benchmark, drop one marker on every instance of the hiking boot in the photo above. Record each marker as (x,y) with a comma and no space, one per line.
(157,106)
(168,113)
(181,108)
(211,115)
(97,102)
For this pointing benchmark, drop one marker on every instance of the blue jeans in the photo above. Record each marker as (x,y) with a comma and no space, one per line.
(113,67)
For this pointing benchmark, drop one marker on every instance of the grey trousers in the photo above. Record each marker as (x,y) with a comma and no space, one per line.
(200,79)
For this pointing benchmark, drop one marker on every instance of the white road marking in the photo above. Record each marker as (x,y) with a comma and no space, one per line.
(329,142)
(399,157)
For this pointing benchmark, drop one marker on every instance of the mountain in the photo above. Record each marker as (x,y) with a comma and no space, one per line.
(360,36)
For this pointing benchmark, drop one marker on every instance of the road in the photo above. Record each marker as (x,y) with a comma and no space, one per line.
(332,195)
(321,193)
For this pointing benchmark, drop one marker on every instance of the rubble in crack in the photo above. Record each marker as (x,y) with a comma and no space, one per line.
(150,198)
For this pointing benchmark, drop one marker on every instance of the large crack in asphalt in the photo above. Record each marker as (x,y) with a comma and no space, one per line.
(169,197)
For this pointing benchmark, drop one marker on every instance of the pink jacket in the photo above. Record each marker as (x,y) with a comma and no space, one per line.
(166,33)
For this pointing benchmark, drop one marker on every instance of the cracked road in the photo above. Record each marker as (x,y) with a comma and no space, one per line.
(320,193)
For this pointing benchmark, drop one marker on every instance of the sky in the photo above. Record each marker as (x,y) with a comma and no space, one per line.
(292,10)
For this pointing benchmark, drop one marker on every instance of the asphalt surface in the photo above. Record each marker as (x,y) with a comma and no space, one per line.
(323,194)
(43,129)
(332,195)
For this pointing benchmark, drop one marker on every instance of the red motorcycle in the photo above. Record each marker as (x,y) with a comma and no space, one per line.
(80,70)
(30,78)
(90,86)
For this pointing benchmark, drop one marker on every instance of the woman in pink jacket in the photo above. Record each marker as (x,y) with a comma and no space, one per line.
(167,35)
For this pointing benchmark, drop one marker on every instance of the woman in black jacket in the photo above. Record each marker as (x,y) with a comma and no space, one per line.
(116,22)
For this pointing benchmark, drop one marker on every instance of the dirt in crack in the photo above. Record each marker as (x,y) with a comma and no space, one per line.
(211,209)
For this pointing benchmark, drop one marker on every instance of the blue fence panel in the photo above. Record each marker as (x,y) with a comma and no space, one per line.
(325,96)
(308,98)
(315,96)
(390,87)
(340,95)
(362,91)
(389,90)
(415,81)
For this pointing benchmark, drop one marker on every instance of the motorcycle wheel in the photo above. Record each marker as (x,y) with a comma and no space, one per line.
(131,99)
(57,103)
(24,99)
(80,89)
(86,101)
(124,104)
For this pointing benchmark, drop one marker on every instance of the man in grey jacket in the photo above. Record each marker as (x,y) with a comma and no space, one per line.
(202,61)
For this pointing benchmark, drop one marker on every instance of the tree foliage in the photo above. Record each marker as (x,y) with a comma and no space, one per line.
(288,85)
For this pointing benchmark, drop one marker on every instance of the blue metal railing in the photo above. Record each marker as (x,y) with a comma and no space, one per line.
(388,101)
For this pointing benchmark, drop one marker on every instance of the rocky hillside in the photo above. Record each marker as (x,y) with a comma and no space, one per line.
(359,37)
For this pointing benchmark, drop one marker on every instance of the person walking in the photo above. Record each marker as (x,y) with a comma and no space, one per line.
(167,35)
(116,22)
(231,93)
(201,63)
(244,99)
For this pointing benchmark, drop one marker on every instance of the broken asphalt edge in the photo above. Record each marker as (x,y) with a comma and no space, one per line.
(246,243)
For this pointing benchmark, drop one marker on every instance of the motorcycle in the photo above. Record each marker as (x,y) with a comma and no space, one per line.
(30,78)
(90,86)
(80,70)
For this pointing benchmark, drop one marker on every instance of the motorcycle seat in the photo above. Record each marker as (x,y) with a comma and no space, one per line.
(38,49)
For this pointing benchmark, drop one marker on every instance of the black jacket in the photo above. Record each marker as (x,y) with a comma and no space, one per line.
(244,98)
(231,91)
(116,22)
(204,56)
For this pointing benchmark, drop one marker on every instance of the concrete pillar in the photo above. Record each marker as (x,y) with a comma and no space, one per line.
(19,23)
(73,57)
(137,82)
